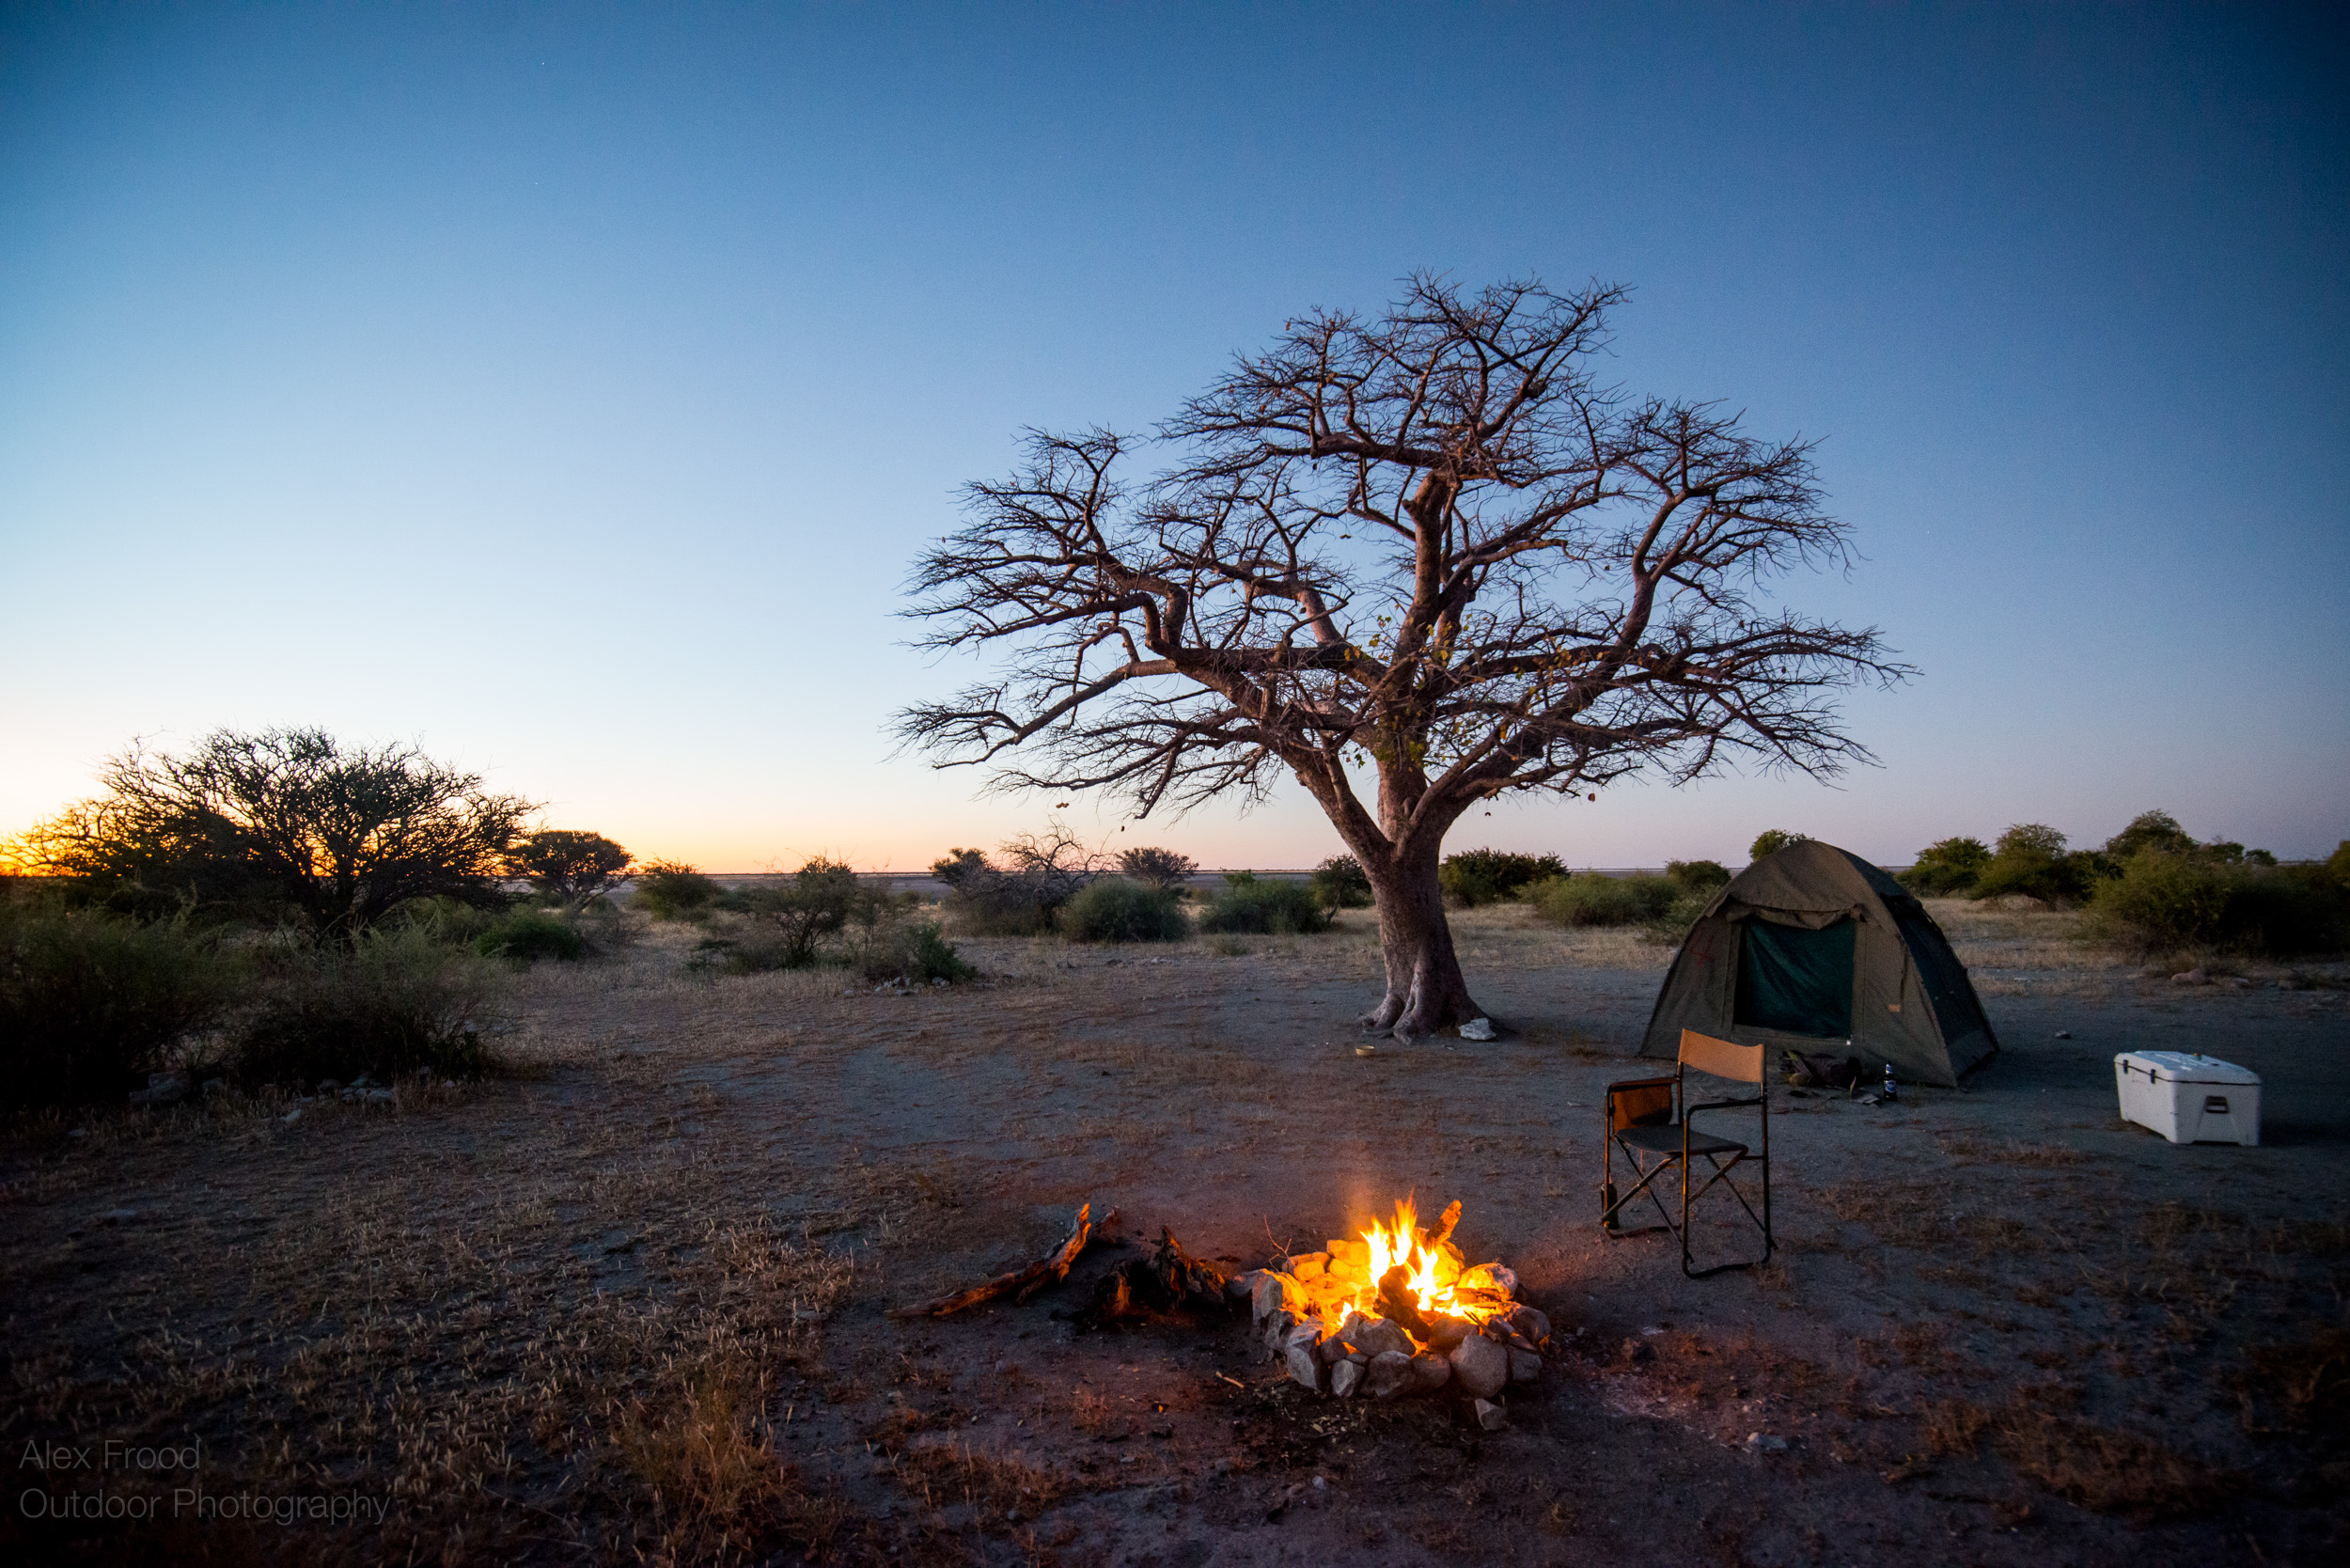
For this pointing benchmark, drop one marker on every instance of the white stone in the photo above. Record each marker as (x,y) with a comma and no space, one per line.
(1310,1265)
(1490,1416)
(1346,1377)
(1478,1029)
(1480,1365)
(1525,1366)
(1271,1295)
(1760,1442)
(1505,1278)
(1277,1330)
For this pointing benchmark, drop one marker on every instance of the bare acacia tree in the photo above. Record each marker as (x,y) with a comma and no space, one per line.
(1414,562)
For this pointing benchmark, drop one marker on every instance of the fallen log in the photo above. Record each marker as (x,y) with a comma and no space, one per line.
(1168,1280)
(1050,1269)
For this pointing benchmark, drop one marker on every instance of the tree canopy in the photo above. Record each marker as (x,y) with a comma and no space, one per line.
(570,864)
(1414,560)
(285,822)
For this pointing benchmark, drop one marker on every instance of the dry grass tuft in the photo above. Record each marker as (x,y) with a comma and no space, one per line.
(1000,1489)
(700,1442)
(2299,1385)
(2110,1471)
(1927,1215)
(1954,1427)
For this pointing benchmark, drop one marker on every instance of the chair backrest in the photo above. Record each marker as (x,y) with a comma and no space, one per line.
(1721,1058)
(1641,1104)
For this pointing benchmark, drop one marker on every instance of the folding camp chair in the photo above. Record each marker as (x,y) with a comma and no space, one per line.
(1650,1120)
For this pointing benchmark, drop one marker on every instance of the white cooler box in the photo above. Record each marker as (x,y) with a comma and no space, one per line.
(2189,1099)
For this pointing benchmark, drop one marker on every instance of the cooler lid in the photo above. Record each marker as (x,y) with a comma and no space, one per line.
(2185,1067)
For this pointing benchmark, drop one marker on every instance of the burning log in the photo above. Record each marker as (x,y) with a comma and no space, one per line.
(1050,1269)
(1399,1306)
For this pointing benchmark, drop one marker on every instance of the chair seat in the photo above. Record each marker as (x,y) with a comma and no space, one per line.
(1667,1140)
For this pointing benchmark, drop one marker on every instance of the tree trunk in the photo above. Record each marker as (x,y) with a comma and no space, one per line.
(1425,990)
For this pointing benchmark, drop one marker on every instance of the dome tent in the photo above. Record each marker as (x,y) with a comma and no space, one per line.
(1812,946)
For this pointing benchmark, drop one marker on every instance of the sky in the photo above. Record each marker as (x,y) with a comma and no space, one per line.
(567,390)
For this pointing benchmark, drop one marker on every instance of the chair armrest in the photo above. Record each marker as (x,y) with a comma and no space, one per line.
(1665,1082)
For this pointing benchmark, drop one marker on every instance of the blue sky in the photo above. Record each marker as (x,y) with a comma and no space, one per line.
(568,389)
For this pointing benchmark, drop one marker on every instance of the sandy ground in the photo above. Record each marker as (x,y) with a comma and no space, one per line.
(594,1311)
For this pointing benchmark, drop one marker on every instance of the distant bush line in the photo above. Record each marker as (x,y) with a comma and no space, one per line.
(2153,887)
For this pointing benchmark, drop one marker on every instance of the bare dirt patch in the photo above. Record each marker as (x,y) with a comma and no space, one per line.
(627,1304)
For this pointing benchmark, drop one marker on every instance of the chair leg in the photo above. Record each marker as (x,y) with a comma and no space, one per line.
(1721,1177)
(1612,1203)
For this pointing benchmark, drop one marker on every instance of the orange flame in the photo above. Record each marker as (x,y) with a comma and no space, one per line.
(1437,1277)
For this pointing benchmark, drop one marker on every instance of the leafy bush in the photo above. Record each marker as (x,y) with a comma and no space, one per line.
(2155,830)
(1604,900)
(1671,925)
(819,902)
(1341,883)
(527,936)
(90,1003)
(395,1002)
(959,866)
(1493,876)
(672,890)
(2162,903)
(2166,903)
(1772,839)
(450,921)
(1946,867)
(913,951)
(2285,910)
(1266,908)
(1698,876)
(1116,910)
(1159,868)
(2031,858)
(2338,865)
(987,900)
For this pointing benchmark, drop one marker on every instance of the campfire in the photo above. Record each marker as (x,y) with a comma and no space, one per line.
(1397,1311)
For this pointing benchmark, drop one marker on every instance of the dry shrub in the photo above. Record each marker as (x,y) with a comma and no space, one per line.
(1924,1344)
(1921,1214)
(1953,1426)
(1001,1488)
(1091,1413)
(2317,1238)
(702,1443)
(2039,1156)
(2109,1471)
(2300,1386)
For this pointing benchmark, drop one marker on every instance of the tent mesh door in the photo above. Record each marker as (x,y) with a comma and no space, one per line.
(1794,981)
